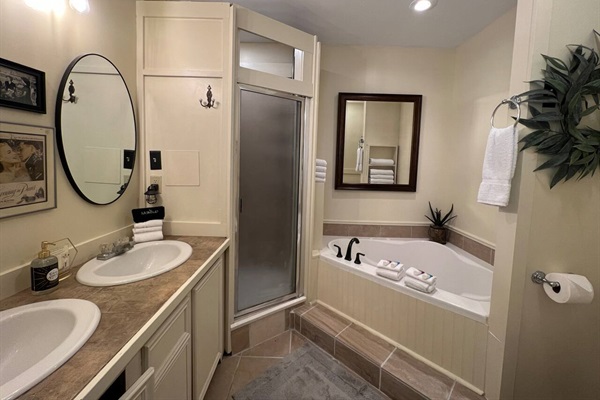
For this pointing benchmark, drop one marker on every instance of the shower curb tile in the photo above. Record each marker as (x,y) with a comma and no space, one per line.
(358,363)
(418,375)
(240,339)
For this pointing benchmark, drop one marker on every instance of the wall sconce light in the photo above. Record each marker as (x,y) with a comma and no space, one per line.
(72,98)
(422,5)
(151,193)
(81,6)
(210,102)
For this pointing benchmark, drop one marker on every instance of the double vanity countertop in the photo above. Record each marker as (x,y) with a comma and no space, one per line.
(130,314)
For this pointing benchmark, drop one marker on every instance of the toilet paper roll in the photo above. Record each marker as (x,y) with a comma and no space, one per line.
(574,289)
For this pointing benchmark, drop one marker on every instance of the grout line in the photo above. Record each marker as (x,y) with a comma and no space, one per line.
(229,394)
(290,344)
(335,337)
(273,357)
(451,390)
(382,364)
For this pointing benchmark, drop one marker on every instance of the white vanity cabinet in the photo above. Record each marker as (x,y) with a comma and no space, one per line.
(169,353)
(208,319)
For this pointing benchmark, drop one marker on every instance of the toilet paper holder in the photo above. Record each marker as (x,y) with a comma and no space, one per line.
(540,278)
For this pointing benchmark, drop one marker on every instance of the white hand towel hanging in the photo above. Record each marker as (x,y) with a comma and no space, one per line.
(359,159)
(498,166)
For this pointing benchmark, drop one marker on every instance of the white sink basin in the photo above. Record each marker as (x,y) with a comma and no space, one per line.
(38,338)
(144,261)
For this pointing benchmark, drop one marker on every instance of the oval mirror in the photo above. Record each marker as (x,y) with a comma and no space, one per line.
(96,131)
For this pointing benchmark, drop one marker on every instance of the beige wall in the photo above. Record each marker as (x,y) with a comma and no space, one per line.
(49,42)
(460,88)
(559,345)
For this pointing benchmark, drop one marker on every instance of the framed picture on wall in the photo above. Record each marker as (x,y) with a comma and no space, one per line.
(27,169)
(22,87)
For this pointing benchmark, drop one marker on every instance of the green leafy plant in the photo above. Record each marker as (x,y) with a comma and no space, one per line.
(436,216)
(568,92)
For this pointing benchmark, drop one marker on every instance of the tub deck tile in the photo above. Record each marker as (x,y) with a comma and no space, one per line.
(326,320)
(372,347)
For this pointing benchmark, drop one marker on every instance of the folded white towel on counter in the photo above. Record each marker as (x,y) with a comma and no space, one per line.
(381,161)
(150,229)
(149,224)
(421,276)
(418,284)
(382,181)
(321,175)
(498,166)
(375,171)
(320,163)
(387,177)
(147,237)
(391,265)
(394,275)
(320,169)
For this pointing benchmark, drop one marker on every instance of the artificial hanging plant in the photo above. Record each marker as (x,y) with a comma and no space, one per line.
(568,92)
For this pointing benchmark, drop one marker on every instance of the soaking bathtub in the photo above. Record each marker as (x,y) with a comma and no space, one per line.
(447,328)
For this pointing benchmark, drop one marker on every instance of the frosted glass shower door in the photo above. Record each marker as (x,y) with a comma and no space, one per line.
(270,154)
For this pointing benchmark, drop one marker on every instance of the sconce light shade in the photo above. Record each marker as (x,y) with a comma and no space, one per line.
(422,5)
(81,6)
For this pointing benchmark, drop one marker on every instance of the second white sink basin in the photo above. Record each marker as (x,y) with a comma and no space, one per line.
(144,261)
(38,338)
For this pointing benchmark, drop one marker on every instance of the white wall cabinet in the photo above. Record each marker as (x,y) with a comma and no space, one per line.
(208,320)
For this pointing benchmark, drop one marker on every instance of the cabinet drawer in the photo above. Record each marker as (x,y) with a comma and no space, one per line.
(158,351)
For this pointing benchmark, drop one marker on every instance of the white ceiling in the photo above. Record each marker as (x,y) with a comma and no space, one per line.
(384,22)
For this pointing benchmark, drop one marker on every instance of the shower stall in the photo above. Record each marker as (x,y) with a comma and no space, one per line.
(269,227)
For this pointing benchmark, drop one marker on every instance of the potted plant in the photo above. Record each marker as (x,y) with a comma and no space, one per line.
(438,231)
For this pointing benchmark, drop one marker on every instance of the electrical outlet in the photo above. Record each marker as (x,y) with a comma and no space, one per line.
(156,180)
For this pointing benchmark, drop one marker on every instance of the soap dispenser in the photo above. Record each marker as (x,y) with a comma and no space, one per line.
(44,271)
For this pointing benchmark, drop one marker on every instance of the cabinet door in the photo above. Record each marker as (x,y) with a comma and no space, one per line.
(207,310)
(169,352)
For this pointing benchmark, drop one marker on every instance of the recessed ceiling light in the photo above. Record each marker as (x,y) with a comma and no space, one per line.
(81,6)
(422,5)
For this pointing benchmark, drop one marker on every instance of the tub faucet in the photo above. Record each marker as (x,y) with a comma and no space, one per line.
(349,249)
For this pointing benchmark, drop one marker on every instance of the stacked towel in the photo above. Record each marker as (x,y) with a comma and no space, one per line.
(381,176)
(498,166)
(320,170)
(390,269)
(148,224)
(419,280)
(380,162)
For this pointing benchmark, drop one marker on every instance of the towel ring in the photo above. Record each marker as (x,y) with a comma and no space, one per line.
(513,103)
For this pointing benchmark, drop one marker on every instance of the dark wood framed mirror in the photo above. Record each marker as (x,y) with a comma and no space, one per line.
(378,141)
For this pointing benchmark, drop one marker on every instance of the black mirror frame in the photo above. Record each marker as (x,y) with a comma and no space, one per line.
(59,133)
(417,100)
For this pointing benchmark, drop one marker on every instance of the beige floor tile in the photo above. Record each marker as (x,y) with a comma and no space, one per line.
(222,379)
(249,369)
(279,346)
(296,341)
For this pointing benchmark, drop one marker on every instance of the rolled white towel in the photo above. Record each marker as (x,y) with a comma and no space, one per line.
(320,180)
(375,171)
(418,284)
(381,162)
(382,181)
(390,265)
(390,273)
(421,276)
(320,163)
(320,169)
(149,224)
(150,229)
(321,175)
(147,237)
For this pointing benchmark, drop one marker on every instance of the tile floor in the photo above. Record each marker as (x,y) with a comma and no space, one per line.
(387,368)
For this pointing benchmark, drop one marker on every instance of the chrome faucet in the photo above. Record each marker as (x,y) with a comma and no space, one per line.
(349,249)
(108,251)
